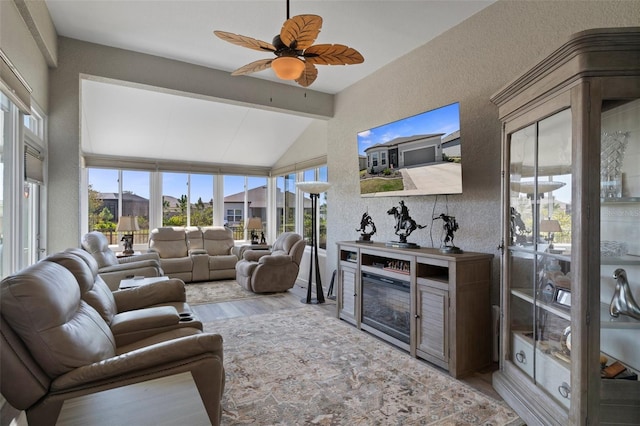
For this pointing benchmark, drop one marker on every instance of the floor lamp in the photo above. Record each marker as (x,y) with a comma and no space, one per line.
(314,189)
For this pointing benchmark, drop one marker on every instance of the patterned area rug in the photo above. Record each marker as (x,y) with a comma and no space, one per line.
(301,367)
(216,291)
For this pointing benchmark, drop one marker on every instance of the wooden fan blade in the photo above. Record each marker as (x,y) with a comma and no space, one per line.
(300,31)
(308,76)
(254,66)
(332,54)
(245,41)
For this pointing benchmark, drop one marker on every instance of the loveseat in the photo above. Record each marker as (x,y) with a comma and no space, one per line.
(195,253)
(54,346)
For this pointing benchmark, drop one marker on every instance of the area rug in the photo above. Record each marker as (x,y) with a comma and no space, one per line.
(300,366)
(216,291)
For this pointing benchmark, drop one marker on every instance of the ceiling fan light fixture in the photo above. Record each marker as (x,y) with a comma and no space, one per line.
(287,67)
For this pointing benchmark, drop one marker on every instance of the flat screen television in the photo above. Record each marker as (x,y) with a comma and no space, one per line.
(417,155)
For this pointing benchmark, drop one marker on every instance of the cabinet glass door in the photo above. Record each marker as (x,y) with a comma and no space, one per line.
(539,253)
(620,240)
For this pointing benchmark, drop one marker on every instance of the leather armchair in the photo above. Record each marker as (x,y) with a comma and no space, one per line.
(54,347)
(114,270)
(275,270)
(134,313)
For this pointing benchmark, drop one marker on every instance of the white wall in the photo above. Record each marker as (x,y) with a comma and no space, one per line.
(18,43)
(468,64)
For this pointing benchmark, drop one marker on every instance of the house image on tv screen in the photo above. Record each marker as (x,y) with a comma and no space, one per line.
(418,155)
(418,150)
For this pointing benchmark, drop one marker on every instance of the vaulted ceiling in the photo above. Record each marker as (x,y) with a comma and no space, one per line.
(183,30)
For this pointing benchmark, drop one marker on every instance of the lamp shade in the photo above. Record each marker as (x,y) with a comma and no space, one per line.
(254,223)
(287,67)
(313,187)
(127,224)
(550,225)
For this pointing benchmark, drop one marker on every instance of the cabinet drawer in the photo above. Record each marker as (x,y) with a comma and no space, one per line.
(554,377)
(522,353)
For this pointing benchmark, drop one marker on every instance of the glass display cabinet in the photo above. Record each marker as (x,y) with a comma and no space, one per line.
(570,321)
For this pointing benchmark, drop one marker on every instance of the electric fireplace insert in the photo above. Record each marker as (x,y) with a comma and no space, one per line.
(386,305)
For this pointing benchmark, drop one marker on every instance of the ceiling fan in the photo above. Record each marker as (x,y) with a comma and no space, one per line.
(296,55)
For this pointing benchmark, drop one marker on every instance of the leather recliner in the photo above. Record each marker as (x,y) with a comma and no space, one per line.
(134,313)
(113,269)
(54,346)
(275,270)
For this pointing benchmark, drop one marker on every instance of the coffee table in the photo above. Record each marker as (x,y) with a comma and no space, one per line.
(139,281)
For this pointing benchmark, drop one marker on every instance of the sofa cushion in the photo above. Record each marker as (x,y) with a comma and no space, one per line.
(217,240)
(42,304)
(169,242)
(177,265)
(96,243)
(93,289)
(228,261)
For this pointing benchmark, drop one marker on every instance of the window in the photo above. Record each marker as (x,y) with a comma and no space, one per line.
(286,195)
(187,199)
(233,218)
(374,159)
(383,158)
(22,160)
(201,200)
(244,197)
(285,203)
(115,193)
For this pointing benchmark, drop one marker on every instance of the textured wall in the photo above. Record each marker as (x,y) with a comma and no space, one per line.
(468,64)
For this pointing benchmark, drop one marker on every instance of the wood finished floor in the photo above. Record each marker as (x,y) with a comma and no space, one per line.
(83,411)
(480,380)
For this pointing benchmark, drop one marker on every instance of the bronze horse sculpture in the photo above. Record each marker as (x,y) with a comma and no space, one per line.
(405,225)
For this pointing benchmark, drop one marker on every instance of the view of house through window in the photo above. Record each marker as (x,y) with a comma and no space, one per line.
(187,200)
(241,205)
(116,193)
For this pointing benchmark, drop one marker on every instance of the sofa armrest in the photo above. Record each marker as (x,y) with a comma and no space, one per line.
(255,255)
(142,361)
(281,259)
(144,319)
(194,252)
(140,257)
(139,297)
(130,266)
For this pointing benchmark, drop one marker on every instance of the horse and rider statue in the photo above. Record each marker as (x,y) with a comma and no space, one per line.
(405,225)
(367,228)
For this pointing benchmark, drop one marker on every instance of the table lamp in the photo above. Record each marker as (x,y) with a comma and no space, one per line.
(128,225)
(254,224)
(550,226)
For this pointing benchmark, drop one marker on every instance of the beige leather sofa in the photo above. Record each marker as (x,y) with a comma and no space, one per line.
(275,270)
(195,253)
(112,269)
(54,346)
(134,313)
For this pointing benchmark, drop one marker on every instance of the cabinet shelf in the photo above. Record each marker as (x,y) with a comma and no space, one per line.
(624,260)
(623,321)
(527,295)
